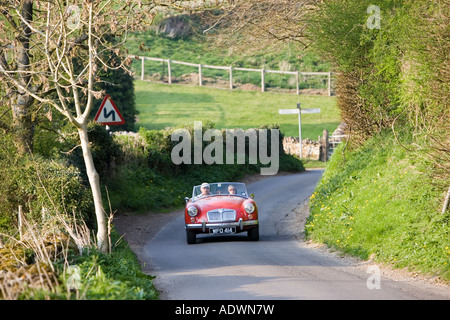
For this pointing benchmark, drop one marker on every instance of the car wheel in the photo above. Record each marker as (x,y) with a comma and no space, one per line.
(253,234)
(191,237)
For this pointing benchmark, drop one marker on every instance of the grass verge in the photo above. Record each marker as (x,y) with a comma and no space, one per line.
(380,200)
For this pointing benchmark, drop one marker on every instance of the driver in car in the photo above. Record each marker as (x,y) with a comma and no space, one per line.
(204,188)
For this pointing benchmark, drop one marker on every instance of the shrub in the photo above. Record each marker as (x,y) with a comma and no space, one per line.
(108,276)
(40,186)
(392,75)
(67,275)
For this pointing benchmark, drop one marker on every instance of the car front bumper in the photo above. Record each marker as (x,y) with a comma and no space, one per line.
(238,224)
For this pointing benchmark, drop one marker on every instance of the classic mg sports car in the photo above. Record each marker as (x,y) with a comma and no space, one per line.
(220,209)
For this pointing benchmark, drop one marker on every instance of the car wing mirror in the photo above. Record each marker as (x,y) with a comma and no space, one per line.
(186,199)
(252,195)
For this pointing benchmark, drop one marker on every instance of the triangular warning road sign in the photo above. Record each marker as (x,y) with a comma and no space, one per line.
(108,113)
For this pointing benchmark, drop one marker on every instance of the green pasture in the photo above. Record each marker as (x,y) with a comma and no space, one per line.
(162,105)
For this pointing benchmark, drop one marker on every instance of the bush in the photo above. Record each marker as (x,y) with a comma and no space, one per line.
(42,187)
(392,75)
(108,276)
(92,275)
(105,151)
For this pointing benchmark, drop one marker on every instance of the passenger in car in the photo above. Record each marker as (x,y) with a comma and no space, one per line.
(231,189)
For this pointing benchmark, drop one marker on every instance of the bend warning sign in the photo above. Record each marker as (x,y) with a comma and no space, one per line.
(108,113)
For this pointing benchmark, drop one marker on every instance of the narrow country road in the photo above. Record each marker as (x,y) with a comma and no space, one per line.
(279,266)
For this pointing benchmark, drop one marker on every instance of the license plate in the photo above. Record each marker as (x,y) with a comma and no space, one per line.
(227,230)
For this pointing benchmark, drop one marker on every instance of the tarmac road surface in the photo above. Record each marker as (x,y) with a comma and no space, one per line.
(277,267)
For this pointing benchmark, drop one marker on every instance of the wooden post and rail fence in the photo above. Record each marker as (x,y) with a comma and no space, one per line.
(230,70)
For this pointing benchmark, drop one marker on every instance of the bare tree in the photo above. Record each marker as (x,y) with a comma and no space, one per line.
(50,55)
(255,25)
(21,44)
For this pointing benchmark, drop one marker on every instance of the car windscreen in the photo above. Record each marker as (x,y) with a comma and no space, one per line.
(221,188)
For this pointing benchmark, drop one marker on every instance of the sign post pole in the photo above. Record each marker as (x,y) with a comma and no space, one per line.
(299,111)
(300,129)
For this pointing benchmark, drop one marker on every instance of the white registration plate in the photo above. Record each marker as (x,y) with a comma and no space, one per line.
(227,230)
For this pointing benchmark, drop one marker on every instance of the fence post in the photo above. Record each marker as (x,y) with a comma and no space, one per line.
(262,80)
(169,71)
(297,74)
(325,146)
(20,220)
(329,84)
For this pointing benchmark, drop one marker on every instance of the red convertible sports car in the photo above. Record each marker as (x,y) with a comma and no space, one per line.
(220,209)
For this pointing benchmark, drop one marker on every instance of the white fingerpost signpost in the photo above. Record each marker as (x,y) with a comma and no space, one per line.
(299,111)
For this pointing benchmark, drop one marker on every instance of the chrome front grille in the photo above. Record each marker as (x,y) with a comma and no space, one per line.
(219,215)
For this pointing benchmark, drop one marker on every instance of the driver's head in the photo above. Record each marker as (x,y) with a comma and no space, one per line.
(204,188)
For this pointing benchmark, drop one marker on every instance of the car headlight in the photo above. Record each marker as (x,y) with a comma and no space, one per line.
(249,207)
(192,211)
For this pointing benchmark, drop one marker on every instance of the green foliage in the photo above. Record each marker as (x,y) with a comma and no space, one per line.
(104,150)
(336,29)
(115,276)
(381,200)
(395,72)
(64,144)
(149,180)
(119,84)
(95,276)
(50,188)
(393,77)
(40,186)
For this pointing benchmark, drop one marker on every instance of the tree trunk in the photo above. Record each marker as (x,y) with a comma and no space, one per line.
(22,122)
(94,181)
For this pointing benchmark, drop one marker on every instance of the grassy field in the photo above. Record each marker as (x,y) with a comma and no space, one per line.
(195,49)
(161,106)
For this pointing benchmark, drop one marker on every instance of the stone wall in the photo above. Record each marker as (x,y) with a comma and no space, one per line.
(316,150)
(310,149)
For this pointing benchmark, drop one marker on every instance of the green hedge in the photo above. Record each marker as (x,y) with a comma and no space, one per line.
(381,200)
(149,180)
(42,187)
